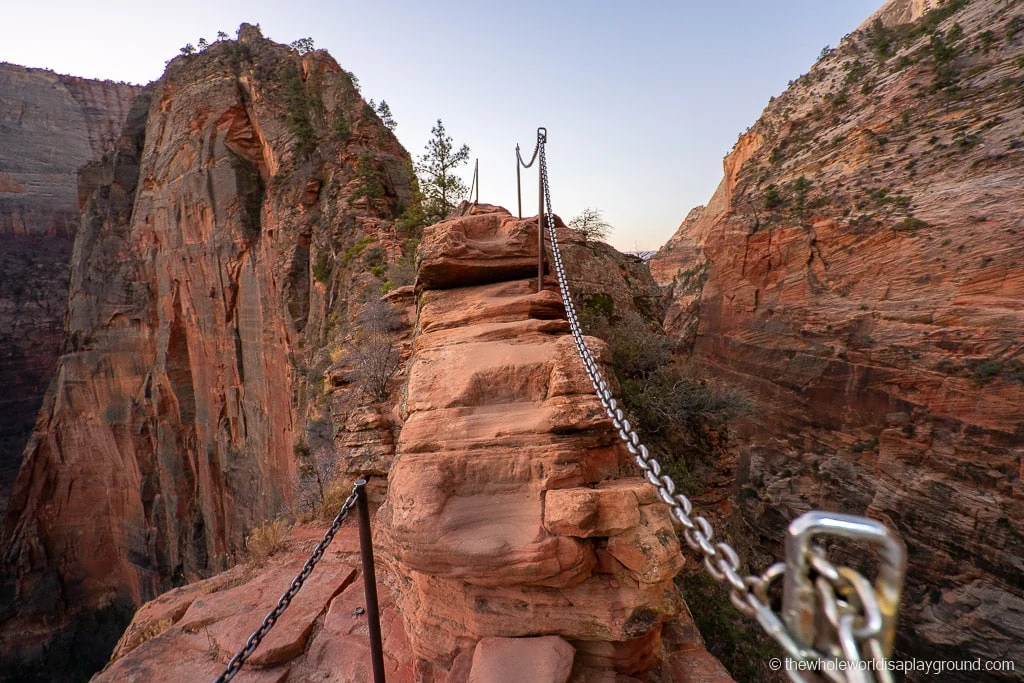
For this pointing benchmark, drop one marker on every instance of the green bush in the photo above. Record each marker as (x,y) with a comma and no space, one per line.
(356,249)
(299,121)
(370,183)
(772,198)
(683,419)
(322,267)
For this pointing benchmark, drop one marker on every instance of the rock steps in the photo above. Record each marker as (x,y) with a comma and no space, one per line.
(508,514)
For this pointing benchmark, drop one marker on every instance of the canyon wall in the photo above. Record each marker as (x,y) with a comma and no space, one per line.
(210,244)
(858,271)
(50,126)
(515,535)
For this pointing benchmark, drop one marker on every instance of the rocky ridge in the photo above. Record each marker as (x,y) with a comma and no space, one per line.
(857,271)
(209,276)
(50,126)
(514,528)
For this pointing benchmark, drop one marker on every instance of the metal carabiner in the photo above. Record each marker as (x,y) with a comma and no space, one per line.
(800,609)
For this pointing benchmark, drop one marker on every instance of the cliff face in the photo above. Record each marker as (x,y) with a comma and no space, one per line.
(858,271)
(512,510)
(207,250)
(50,125)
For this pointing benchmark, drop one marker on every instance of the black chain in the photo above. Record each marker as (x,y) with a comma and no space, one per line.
(542,137)
(273,615)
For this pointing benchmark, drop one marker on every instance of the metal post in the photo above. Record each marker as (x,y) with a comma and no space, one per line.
(370,583)
(540,232)
(519,184)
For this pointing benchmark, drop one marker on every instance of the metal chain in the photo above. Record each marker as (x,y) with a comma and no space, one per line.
(541,138)
(749,594)
(273,615)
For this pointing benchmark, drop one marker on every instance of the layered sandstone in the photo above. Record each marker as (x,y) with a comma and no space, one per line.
(858,272)
(510,546)
(507,512)
(50,125)
(204,269)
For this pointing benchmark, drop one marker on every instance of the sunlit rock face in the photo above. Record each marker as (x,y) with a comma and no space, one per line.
(858,271)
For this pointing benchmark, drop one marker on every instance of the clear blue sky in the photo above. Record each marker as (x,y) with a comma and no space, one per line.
(641,99)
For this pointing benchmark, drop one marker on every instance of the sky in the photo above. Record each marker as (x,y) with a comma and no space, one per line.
(641,99)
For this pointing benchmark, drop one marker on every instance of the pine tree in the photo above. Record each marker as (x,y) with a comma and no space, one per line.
(441,189)
(384,112)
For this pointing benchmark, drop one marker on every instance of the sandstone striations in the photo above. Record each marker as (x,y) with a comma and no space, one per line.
(511,532)
(506,515)
(50,125)
(858,271)
(207,260)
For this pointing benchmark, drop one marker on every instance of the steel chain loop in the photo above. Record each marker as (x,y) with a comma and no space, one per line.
(749,594)
(273,615)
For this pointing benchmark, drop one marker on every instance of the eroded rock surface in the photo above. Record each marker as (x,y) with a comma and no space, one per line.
(50,125)
(507,514)
(212,249)
(858,271)
(510,543)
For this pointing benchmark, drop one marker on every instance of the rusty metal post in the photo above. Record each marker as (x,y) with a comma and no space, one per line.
(540,232)
(370,583)
(519,183)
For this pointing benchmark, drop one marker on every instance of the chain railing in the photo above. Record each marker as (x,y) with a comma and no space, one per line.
(831,616)
(520,164)
(356,498)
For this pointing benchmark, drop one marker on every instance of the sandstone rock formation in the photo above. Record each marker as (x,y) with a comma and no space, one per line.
(505,513)
(191,633)
(207,262)
(511,540)
(50,125)
(858,271)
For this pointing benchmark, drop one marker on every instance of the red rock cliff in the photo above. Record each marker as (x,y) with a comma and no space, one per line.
(858,270)
(200,270)
(512,534)
(50,125)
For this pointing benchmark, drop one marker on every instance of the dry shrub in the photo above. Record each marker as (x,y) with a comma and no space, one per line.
(267,539)
(147,633)
(335,493)
(374,356)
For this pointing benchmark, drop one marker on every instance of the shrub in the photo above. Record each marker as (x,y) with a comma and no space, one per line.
(374,356)
(299,121)
(911,223)
(868,445)
(986,370)
(334,496)
(356,249)
(801,186)
(266,539)
(678,415)
(341,129)
(591,225)
(322,267)
(368,177)
(403,271)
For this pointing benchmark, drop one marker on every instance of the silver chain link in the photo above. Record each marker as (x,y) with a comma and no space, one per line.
(273,615)
(749,594)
